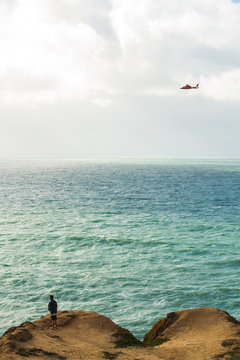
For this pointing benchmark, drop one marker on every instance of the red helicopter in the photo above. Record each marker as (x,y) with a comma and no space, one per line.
(187,87)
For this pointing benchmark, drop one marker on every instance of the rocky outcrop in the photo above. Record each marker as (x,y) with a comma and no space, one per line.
(204,333)
(156,335)
(80,335)
(196,334)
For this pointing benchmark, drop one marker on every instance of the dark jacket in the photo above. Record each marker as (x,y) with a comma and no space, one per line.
(52,307)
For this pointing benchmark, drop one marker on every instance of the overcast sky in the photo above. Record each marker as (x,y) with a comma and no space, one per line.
(102,78)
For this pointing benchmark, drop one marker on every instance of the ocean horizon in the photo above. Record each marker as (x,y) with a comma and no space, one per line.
(130,238)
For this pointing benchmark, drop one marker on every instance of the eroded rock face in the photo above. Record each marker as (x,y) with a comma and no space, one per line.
(80,335)
(155,335)
(196,334)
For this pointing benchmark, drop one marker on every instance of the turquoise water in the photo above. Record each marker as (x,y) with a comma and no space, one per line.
(132,240)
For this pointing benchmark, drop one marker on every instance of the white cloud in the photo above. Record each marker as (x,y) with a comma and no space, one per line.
(223,87)
(68,59)
(62,50)
(166,43)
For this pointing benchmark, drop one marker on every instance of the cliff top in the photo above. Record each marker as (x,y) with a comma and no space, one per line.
(198,334)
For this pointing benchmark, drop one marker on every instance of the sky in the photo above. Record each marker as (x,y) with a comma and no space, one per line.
(102,78)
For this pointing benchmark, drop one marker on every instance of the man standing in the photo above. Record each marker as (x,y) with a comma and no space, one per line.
(52,307)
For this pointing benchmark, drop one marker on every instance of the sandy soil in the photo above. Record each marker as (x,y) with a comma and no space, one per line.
(196,334)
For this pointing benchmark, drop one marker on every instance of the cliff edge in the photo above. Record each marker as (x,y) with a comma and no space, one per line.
(196,334)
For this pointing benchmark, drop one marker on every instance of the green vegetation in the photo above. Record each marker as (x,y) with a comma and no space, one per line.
(123,338)
(233,353)
(158,341)
(109,356)
(39,353)
(152,338)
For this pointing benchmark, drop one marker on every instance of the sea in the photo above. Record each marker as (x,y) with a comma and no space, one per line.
(132,239)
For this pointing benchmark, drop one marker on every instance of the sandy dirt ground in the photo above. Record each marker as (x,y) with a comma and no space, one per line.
(197,334)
